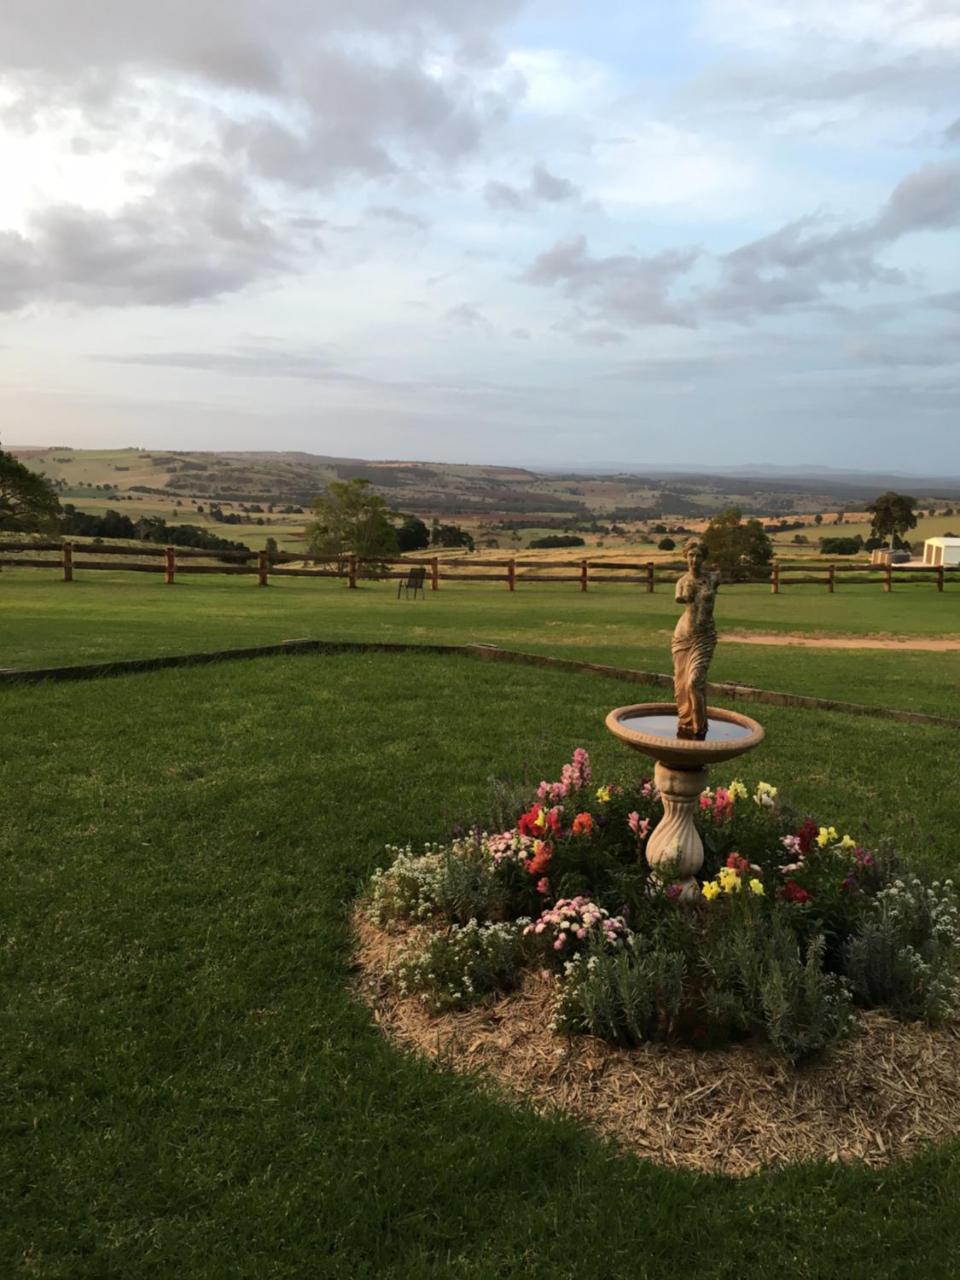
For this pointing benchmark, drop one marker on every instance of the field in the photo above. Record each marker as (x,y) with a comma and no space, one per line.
(190,1087)
(106,615)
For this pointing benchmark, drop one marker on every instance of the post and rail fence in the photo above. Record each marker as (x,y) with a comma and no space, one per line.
(71,556)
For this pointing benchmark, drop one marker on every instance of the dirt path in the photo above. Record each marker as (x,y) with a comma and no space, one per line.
(932,644)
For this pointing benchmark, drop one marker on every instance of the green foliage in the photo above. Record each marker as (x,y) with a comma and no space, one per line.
(458,884)
(461,966)
(805,1009)
(892,515)
(666,544)
(736,545)
(626,996)
(351,518)
(28,502)
(906,954)
(557,540)
(841,546)
(412,534)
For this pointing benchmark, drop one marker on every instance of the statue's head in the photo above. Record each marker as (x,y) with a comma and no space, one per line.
(694,553)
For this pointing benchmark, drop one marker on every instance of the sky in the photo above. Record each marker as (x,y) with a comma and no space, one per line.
(711,232)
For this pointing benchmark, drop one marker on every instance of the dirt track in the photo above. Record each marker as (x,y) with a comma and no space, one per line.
(931,644)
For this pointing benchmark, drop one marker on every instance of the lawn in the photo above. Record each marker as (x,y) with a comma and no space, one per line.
(190,1088)
(109,615)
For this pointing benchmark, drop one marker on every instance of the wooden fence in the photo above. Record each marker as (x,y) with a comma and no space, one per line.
(175,561)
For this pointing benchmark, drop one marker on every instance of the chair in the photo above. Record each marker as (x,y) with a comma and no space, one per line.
(412,582)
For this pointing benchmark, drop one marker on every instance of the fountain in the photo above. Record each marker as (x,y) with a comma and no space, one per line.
(685,738)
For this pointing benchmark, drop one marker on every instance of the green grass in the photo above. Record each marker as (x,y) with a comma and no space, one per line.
(189,1087)
(110,615)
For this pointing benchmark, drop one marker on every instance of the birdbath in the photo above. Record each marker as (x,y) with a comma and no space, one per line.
(686,737)
(674,849)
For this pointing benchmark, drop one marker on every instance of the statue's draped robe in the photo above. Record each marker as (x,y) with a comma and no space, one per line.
(694,642)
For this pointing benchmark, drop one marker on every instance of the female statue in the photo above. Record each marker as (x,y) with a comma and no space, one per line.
(694,641)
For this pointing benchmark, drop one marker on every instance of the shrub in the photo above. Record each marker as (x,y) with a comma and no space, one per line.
(906,954)
(461,966)
(666,544)
(558,540)
(627,997)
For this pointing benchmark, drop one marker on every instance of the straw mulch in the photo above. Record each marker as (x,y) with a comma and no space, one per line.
(890,1091)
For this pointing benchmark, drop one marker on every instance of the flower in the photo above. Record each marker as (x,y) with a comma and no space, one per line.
(737,791)
(825,835)
(673,891)
(639,826)
(806,836)
(791,844)
(582,825)
(793,892)
(756,887)
(710,890)
(847,843)
(729,880)
(765,795)
(543,887)
(603,794)
(542,853)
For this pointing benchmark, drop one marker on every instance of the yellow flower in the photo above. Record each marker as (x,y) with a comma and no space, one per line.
(756,886)
(729,880)
(737,790)
(765,795)
(603,794)
(540,820)
(848,843)
(825,835)
(710,890)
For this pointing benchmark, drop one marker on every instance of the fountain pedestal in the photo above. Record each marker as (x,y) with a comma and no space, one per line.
(674,850)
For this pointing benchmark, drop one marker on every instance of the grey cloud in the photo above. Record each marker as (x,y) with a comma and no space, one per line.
(390,213)
(600,336)
(543,186)
(332,89)
(625,289)
(909,349)
(197,236)
(467,316)
(946,301)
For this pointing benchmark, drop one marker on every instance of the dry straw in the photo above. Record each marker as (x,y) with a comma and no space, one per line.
(893,1089)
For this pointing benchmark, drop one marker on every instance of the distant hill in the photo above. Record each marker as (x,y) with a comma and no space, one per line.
(447,490)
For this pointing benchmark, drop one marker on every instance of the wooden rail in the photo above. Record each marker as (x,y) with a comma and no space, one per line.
(172,561)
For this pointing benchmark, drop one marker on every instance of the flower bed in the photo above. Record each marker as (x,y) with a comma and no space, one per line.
(796,928)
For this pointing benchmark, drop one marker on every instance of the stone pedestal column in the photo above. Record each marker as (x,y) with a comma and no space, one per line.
(675,850)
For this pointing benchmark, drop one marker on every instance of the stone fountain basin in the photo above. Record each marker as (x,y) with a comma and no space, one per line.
(651,727)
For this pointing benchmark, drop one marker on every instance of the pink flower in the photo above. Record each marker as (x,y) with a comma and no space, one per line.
(543,887)
(639,826)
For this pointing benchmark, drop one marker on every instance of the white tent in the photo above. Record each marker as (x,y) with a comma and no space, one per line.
(941,551)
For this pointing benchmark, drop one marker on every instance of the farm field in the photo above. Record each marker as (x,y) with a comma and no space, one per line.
(100,616)
(191,1088)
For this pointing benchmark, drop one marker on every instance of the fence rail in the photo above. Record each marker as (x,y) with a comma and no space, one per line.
(172,561)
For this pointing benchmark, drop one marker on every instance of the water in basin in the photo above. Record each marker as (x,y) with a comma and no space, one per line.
(665,726)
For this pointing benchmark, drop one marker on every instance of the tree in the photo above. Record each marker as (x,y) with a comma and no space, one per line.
(666,544)
(27,500)
(736,545)
(892,515)
(412,533)
(451,535)
(351,518)
(818,518)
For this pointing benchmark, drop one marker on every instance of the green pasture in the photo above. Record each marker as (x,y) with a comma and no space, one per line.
(191,1090)
(99,616)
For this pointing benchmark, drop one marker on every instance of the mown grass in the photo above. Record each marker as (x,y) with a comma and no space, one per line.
(190,1088)
(109,615)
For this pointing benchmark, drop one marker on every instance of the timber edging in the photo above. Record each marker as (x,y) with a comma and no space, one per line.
(483,652)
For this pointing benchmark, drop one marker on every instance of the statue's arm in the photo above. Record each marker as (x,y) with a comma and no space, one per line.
(684,591)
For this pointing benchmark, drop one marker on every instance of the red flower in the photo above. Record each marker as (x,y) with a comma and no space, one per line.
(533,822)
(738,863)
(793,892)
(543,886)
(542,853)
(807,835)
(582,825)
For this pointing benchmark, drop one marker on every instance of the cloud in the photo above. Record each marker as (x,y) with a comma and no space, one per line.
(542,187)
(600,336)
(909,349)
(625,288)
(467,316)
(200,234)
(400,217)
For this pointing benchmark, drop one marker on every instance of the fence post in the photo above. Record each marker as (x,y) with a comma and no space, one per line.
(262,568)
(649,577)
(939,577)
(352,572)
(831,578)
(435,574)
(775,580)
(583,575)
(170,565)
(888,576)
(68,562)
(511,574)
